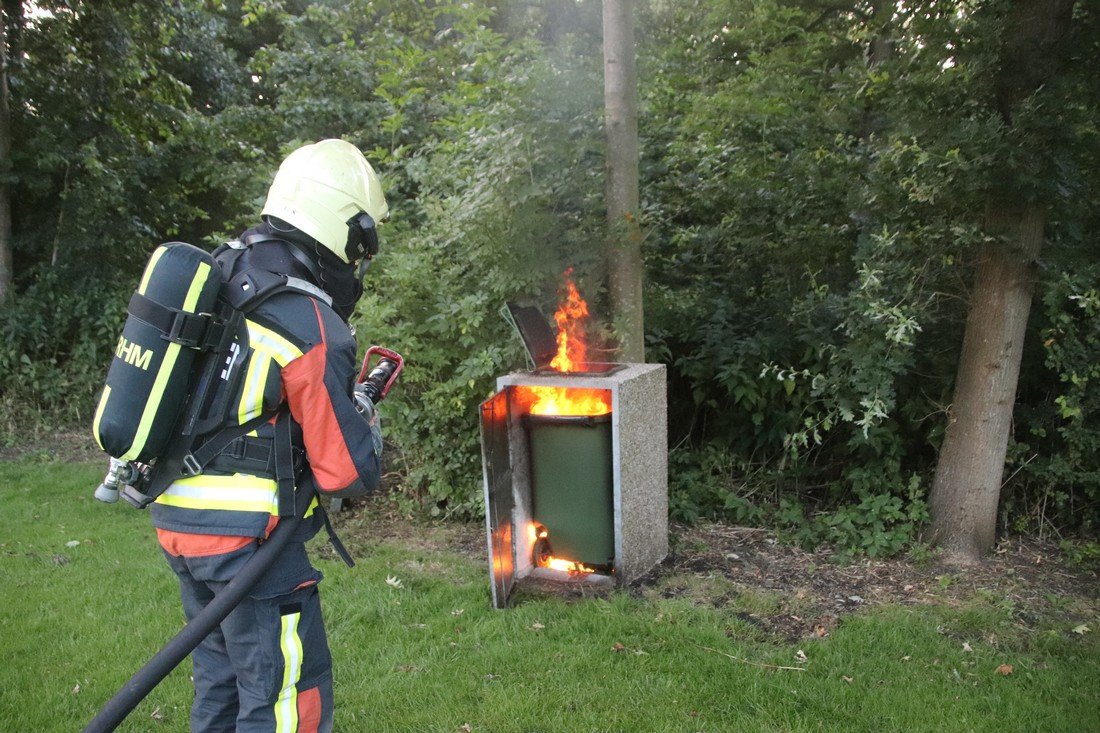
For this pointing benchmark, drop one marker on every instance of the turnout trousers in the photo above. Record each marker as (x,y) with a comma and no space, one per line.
(267,667)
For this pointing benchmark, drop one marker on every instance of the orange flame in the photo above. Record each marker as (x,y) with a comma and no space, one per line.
(572,319)
(565,400)
(537,532)
(556,563)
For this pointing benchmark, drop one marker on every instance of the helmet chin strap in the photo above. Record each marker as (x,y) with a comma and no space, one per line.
(307,261)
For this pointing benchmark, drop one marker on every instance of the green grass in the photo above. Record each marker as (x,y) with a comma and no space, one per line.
(433,656)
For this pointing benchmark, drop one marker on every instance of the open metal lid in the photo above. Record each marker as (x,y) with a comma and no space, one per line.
(534,330)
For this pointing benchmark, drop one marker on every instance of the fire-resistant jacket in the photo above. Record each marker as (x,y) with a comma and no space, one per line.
(301,353)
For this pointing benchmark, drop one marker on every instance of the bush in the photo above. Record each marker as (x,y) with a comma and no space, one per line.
(56,342)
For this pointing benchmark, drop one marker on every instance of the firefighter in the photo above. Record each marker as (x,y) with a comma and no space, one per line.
(267,667)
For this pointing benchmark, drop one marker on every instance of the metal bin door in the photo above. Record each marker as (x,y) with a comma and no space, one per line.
(499,501)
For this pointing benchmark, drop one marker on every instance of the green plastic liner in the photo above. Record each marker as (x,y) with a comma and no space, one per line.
(572,485)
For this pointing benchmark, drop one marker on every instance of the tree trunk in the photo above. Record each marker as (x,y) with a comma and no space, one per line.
(967,486)
(5,168)
(624,251)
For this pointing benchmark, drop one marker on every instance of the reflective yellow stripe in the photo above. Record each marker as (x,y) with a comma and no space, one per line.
(165,371)
(252,393)
(153,402)
(226,505)
(239,492)
(149,269)
(272,344)
(99,415)
(286,706)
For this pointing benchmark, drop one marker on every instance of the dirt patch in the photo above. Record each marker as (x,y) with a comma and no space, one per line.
(379,519)
(68,445)
(806,594)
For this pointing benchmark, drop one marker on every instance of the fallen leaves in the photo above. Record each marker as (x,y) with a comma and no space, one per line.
(1081,629)
(618,648)
(1005,670)
(394,581)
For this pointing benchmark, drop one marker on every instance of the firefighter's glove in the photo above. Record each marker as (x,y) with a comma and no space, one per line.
(367,409)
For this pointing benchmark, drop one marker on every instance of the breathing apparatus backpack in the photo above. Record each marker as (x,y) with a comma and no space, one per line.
(176,366)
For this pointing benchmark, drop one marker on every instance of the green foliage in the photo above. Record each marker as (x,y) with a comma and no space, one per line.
(707,483)
(882,522)
(490,195)
(816,212)
(57,344)
(814,179)
(880,525)
(118,148)
(1058,458)
(1082,554)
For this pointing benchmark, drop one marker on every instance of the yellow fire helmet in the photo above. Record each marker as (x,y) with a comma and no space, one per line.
(324,189)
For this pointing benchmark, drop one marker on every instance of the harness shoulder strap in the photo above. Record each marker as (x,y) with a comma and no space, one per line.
(248,289)
(337,544)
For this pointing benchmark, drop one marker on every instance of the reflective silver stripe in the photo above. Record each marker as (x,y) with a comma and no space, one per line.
(286,706)
(308,287)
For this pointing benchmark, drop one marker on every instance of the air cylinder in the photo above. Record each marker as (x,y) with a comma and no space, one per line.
(149,378)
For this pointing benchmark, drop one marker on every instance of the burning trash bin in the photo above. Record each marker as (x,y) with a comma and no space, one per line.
(575,465)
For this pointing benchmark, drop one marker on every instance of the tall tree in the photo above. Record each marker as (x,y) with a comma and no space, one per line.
(14,10)
(968,480)
(624,254)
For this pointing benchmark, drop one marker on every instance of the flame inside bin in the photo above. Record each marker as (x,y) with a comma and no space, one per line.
(572,485)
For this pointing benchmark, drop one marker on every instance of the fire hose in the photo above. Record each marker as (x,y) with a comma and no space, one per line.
(377,384)
(183,643)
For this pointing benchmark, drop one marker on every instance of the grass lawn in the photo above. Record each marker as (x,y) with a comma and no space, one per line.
(88,599)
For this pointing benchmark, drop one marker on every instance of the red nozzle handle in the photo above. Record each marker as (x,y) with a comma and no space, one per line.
(383,353)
